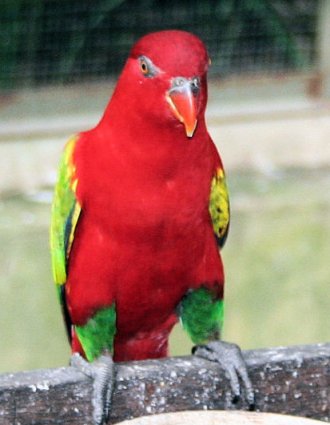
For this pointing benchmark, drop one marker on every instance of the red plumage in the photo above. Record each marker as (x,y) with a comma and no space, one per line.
(144,236)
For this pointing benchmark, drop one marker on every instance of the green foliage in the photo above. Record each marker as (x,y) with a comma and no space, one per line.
(282,228)
(32,328)
(47,42)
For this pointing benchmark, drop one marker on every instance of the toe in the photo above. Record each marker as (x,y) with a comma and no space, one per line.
(102,389)
(229,356)
(78,362)
(231,373)
(242,372)
(101,371)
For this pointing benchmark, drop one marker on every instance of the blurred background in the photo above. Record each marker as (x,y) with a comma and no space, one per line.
(268,113)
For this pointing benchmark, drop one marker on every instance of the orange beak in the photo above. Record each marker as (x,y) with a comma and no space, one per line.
(182,98)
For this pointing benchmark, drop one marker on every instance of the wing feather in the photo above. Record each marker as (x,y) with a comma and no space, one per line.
(65,215)
(219,207)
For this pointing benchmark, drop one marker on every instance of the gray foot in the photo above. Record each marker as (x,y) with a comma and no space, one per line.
(101,371)
(230,358)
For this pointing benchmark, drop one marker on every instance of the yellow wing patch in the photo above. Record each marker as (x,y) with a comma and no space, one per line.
(219,206)
(65,213)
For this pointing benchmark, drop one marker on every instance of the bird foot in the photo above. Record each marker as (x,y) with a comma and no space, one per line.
(101,371)
(229,357)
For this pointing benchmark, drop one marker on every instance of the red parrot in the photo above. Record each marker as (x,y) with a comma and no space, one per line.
(140,212)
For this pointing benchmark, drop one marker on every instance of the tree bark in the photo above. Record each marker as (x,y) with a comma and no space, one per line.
(289,380)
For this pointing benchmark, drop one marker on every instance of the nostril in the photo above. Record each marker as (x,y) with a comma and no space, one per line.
(179,81)
(195,85)
(181,84)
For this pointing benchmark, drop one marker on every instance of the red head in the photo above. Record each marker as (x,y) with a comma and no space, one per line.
(164,80)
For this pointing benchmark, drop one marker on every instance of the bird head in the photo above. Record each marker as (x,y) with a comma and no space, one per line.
(164,80)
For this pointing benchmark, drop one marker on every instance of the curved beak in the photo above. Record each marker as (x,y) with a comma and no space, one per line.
(182,98)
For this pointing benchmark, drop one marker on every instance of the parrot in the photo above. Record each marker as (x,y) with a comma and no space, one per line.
(139,215)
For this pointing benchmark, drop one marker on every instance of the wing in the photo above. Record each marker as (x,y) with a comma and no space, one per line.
(65,214)
(219,206)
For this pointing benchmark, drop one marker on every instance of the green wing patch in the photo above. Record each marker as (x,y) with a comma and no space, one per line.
(65,214)
(98,333)
(219,207)
(201,315)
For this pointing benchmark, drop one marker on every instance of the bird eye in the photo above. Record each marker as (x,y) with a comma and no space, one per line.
(147,68)
(144,67)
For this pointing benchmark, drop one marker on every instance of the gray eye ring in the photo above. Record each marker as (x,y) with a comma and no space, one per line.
(147,68)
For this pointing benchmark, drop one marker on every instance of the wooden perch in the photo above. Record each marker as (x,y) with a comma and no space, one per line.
(290,380)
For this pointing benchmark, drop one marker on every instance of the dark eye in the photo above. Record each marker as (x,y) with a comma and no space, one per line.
(144,67)
(148,69)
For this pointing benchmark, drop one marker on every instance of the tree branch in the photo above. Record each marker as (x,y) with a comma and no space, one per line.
(290,380)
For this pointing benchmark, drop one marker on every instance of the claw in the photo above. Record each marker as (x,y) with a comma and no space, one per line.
(101,371)
(230,358)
